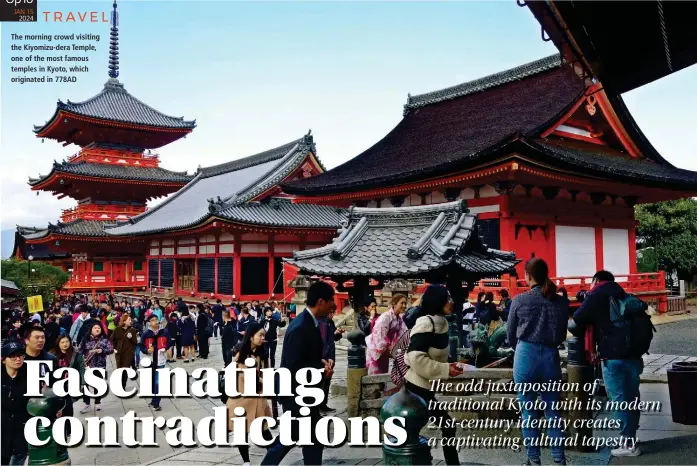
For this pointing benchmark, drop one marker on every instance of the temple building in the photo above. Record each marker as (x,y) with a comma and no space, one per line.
(552,164)
(224,233)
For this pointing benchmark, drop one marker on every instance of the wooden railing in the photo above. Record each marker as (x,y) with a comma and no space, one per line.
(100,212)
(101,282)
(636,283)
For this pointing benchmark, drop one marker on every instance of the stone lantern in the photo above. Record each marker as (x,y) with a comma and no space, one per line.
(414,410)
(47,406)
(301,283)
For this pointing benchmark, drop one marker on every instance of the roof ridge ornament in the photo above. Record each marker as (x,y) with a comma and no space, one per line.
(114,45)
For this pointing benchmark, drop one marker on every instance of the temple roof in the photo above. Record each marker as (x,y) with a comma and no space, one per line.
(91,228)
(114,103)
(601,37)
(405,242)
(112,171)
(586,158)
(444,128)
(279,212)
(465,126)
(225,191)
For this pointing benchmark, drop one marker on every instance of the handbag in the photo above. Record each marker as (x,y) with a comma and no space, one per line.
(399,367)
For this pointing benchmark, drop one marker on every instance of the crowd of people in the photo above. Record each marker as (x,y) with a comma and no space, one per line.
(413,340)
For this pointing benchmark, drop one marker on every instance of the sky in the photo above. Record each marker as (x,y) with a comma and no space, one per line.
(256,75)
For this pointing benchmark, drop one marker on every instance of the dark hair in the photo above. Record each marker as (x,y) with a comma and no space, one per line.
(30,329)
(504,293)
(538,270)
(57,350)
(244,348)
(563,292)
(200,307)
(480,295)
(490,296)
(370,301)
(604,276)
(434,300)
(319,290)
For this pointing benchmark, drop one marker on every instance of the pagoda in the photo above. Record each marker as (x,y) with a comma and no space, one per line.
(552,163)
(112,177)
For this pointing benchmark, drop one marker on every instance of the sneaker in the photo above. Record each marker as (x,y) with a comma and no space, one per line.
(530,462)
(85,409)
(185,361)
(623,451)
(157,408)
(98,407)
(247,464)
(561,461)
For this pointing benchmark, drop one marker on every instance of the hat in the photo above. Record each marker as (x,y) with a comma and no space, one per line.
(12,347)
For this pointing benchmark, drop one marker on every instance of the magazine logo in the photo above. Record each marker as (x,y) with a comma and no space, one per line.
(18,10)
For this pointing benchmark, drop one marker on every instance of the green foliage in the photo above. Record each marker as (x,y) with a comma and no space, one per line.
(647,260)
(45,279)
(671,229)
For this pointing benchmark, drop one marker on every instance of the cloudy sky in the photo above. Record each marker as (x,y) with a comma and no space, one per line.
(257,75)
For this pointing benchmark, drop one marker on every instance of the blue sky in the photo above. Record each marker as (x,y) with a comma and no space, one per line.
(256,75)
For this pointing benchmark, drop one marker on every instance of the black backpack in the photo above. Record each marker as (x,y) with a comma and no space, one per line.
(630,317)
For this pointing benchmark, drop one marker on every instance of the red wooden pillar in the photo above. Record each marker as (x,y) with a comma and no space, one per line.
(632,250)
(663,299)
(237,267)
(271,274)
(195,265)
(599,248)
(215,265)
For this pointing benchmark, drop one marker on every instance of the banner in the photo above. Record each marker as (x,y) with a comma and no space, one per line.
(35,304)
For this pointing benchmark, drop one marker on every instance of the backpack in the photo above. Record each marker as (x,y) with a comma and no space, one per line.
(629,316)
(209,327)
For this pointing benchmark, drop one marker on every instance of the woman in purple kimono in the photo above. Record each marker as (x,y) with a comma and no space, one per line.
(388,328)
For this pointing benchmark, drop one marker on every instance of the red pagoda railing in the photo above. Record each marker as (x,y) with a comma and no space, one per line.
(104,282)
(100,212)
(116,157)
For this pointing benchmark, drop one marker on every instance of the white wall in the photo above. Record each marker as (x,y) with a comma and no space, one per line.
(575,247)
(616,251)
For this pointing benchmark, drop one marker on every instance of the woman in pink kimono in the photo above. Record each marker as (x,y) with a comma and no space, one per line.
(386,332)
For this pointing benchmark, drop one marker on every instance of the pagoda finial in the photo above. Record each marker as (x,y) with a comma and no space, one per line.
(114,45)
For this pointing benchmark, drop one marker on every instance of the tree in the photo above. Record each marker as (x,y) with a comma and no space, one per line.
(670,228)
(43,279)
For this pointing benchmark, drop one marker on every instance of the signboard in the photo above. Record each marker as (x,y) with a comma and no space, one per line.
(35,303)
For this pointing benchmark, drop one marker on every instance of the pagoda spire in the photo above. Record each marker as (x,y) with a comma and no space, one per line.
(114,45)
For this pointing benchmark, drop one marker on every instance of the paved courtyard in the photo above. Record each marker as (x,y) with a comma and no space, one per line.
(654,426)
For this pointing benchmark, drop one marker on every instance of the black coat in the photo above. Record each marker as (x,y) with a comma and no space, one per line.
(302,347)
(201,324)
(228,334)
(272,330)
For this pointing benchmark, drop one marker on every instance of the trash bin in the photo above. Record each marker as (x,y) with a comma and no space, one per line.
(682,385)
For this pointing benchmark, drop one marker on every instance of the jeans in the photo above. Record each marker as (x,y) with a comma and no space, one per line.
(156,388)
(621,378)
(534,362)
(227,355)
(97,400)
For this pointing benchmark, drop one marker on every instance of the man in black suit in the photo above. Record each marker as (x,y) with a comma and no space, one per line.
(302,348)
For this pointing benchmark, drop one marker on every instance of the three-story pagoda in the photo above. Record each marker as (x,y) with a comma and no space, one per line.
(112,177)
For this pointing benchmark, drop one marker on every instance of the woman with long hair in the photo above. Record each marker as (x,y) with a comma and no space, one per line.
(427,359)
(537,325)
(68,357)
(387,330)
(125,339)
(251,346)
(95,349)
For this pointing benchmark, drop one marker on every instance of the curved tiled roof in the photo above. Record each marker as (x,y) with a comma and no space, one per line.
(78,227)
(121,172)
(444,129)
(405,242)
(228,188)
(283,213)
(609,164)
(114,103)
